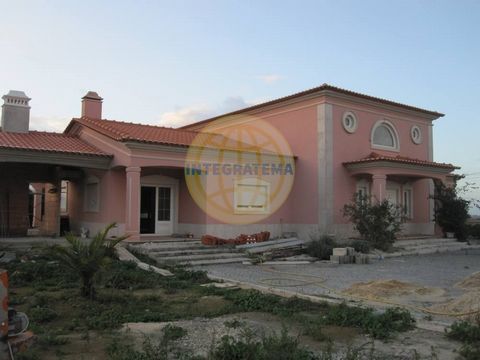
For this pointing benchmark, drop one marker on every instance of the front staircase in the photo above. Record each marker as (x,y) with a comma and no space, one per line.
(422,245)
(189,252)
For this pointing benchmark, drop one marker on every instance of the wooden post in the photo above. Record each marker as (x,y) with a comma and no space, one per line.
(4,352)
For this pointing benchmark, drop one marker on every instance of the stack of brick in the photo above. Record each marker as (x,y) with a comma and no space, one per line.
(239,240)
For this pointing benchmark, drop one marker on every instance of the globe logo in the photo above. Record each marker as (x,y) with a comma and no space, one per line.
(239,170)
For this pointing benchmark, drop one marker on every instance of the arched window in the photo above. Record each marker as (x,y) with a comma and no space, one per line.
(384,136)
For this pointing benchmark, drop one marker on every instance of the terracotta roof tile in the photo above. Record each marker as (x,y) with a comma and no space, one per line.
(124,132)
(49,142)
(373,157)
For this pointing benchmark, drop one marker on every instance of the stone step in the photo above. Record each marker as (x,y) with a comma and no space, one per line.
(146,240)
(427,246)
(188,258)
(152,248)
(176,252)
(214,261)
(432,250)
(403,243)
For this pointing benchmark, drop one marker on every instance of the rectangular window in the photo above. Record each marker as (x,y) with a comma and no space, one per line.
(251,198)
(407,203)
(164,203)
(64,197)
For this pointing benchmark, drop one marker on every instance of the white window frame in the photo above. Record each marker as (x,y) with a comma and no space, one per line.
(92,180)
(393,131)
(250,182)
(407,190)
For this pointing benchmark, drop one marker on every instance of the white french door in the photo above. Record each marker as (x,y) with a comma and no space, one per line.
(164,210)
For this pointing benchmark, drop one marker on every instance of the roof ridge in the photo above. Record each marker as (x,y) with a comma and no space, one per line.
(324,86)
(139,124)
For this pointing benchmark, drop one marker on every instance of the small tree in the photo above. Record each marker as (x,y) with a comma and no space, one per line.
(87,258)
(378,223)
(451,211)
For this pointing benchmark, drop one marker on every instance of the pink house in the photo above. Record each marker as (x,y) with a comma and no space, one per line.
(98,171)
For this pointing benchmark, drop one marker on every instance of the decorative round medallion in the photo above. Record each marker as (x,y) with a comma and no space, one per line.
(349,122)
(416,134)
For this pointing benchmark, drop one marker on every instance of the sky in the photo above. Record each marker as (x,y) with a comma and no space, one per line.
(174,62)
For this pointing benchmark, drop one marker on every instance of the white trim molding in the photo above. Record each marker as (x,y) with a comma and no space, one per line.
(416,134)
(349,122)
(393,131)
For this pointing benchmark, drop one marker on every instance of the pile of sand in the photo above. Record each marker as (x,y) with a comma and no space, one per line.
(471,282)
(465,303)
(390,288)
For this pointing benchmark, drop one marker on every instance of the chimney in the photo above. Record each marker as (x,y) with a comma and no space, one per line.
(15,112)
(92,105)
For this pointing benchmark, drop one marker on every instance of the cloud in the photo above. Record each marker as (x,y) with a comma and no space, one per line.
(187,115)
(50,123)
(270,78)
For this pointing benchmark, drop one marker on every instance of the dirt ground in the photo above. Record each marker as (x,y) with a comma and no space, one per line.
(202,333)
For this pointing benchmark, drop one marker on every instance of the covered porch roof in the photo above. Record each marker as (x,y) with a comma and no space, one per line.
(36,147)
(377,164)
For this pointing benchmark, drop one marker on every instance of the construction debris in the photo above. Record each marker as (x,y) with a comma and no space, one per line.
(272,245)
(241,239)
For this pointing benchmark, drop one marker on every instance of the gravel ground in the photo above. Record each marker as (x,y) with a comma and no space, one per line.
(435,270)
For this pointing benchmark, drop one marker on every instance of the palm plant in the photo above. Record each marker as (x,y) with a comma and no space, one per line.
(87,258)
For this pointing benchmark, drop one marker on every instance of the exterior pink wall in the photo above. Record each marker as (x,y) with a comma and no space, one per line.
(355,146)
(112,198)
(298,124)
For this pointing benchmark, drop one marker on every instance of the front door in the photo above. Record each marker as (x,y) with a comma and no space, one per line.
(147,210)
(156,210)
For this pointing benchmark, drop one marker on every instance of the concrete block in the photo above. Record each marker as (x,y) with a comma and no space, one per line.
(362,259)
(342,259)
(340,251)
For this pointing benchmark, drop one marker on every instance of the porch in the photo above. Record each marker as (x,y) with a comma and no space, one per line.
(408,183)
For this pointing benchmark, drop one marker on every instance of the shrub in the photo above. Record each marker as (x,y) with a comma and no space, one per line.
(469,334)
(87,258)
(172,332)
(268,347)
(473,230)
(380,326)
(451,211)
(361,246)
(321,248)
(126,275)
(378,223)
(253,300)
(42,314)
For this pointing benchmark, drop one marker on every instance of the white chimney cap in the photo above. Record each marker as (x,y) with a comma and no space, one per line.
(16,98)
